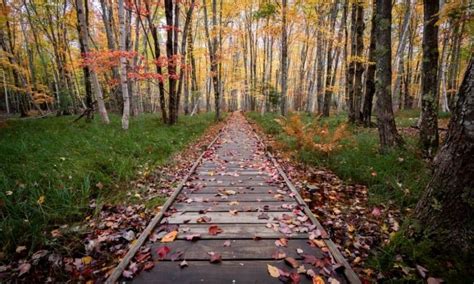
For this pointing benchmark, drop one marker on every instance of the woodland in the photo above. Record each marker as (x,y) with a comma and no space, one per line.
(105,103)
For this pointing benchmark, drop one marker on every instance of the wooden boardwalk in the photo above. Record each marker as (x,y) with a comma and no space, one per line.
(259,217)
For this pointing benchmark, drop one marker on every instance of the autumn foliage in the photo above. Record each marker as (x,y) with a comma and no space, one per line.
(314,136)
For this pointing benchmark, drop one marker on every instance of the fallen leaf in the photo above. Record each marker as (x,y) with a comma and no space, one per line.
(193,237)
(148,265)
(318,280)
(215,257)
(264,216)
(24,268)
(215,230)
(86,260)
(233,212)
(168,238)
(295,278)
(421,270)
(279,254)
(432,280)
(203,219)
(273,271)
(41,200)
(56,233)
(162,251)
(299,251)
(282,242)
(20,249)
(292,262)
(227,243)
(183,264)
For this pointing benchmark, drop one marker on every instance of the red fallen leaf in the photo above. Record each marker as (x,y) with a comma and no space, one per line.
(292,262)
(309,259)
(215,230)
(215,257)
(295,278)
(148,265)
(162,251)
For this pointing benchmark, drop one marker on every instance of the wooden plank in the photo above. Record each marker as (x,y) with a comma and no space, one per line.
(238,272)
(226,206)
(233,231)
(234,183)
(238,249)
(222,218)
(207,178)
(238,189)
(237,197)
(226,173)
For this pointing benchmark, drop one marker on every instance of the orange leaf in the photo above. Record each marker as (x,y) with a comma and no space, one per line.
(168,238)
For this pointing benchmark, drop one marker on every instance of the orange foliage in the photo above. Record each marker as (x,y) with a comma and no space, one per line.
(313,136)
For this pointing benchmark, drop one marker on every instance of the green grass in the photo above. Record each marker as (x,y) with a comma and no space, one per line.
(63,162)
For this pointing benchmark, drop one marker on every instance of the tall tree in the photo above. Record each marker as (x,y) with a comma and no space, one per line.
(429,72)
(284,59)
(329,75)
(388,134)
(90,77)
(370,74)
(445,208)
(123,66)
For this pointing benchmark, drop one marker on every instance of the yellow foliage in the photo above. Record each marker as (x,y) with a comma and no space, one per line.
(314,136)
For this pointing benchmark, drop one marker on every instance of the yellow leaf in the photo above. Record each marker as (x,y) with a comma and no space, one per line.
(274,272)
(319,243)
(168,238)
(86,260)
(41,200)
(318,280)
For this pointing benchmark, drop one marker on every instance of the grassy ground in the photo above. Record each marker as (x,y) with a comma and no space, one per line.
(396,179)
(51,168)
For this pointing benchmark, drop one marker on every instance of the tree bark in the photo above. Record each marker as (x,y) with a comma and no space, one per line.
(284,60)
(388,134)
(429,72)
(445,208)
(123,66)
(92,82)
(328,90)
(370,75)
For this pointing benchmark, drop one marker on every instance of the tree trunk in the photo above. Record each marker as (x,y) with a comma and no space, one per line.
(89,75)
(429,71)
(284,60)
(359,68)
(370,75)
(123,67)
(328,90)
(388,134)
(445,208)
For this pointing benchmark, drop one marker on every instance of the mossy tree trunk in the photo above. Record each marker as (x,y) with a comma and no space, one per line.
(429,73)
(446,207)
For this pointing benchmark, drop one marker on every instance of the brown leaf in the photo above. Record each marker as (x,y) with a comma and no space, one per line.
(279,254)
(203,219)
(292,262)
(282,242)
(215,230)
(148,265)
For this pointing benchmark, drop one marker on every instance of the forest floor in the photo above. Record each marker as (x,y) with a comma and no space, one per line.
(365,199)
(68,187)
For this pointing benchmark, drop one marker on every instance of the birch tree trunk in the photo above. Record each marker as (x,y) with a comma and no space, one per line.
(123,66)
